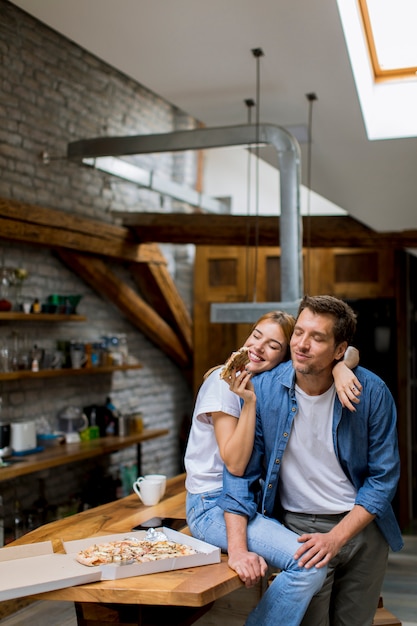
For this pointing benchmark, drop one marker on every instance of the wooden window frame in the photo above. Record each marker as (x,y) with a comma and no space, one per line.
(381,74)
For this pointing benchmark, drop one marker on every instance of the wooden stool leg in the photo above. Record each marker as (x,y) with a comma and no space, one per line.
(384,617)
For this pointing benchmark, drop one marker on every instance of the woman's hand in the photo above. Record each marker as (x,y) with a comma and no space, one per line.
(347,386)
(242,386)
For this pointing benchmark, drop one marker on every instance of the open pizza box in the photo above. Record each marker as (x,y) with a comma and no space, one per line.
(205,554)
(34,568)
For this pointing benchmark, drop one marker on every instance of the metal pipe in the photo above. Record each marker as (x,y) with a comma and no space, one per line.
(289,163)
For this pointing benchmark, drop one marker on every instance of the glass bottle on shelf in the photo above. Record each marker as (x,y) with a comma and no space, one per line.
(123,348)
(6,283)
(18,520)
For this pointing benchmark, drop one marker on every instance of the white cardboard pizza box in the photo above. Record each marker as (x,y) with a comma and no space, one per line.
(34,568)
(22,552)
(206,554)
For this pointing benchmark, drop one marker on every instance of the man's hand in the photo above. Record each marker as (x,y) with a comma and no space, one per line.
(250,567)
(317,549)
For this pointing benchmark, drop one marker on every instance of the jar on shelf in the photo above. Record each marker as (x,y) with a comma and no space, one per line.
(123,348)
(20,275)
(7,276)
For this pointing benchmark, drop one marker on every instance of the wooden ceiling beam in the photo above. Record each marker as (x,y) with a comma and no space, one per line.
(241,230)
(57,229)
(95,272)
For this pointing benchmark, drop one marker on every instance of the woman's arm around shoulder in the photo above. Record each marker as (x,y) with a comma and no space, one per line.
(347,384)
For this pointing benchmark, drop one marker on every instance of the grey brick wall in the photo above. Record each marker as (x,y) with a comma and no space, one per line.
(53,92)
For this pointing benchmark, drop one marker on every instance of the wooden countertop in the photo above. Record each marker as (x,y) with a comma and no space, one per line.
(72,452)
(192,587)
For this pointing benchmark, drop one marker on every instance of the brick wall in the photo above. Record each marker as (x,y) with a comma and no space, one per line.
(54,92)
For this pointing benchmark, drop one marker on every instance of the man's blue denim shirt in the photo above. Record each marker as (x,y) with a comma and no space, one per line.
(365,443)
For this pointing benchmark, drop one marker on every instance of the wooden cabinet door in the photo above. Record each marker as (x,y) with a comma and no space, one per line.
(227,274)
(247,274)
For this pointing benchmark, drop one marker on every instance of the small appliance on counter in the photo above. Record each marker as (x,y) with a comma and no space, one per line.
(23,436)
(71,421)
(5,447)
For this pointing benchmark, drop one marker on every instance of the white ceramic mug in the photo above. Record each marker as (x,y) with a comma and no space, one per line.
(161,478)
(148,490)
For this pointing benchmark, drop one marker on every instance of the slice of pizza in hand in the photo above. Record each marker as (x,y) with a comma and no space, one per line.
(235,363)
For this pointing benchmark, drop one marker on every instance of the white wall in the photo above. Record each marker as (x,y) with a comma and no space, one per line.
(225,173)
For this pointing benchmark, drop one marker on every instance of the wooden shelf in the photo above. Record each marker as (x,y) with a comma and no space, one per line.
(68,371)
(11,316)
(72,452)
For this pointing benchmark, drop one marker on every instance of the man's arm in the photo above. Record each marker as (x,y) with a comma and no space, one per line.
(249,566)
(319,548)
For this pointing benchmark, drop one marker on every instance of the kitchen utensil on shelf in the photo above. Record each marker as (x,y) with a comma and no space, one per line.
(36,358)
(77,355)
(5,448)
(63,304)
(5,430)
(71,421)
(4,358)
(23,435)
(7,277)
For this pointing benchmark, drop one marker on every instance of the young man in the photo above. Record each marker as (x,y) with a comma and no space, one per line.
(327,473)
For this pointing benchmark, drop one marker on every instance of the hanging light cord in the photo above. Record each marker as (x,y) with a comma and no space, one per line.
(249,103)
(311,97)
(257,53)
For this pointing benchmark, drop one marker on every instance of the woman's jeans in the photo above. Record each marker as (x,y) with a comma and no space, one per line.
(288,597)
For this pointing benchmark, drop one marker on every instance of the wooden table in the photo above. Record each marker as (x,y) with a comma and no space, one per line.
(177,598)
(73,452)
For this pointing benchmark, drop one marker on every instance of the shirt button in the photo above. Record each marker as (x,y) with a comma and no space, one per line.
(277,461)
(270,486)
(293,409)
(285,434)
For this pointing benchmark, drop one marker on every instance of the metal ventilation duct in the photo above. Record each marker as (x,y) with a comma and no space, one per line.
(289,163)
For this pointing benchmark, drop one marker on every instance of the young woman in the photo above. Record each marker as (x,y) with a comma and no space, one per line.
(222,433)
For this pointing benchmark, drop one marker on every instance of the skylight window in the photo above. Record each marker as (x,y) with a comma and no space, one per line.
(388,106)
(390,27)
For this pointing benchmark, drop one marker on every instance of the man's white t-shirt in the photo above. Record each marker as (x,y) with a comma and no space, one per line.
(311,479)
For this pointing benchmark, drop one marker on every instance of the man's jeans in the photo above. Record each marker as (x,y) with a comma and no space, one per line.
(350,594)
(288,597)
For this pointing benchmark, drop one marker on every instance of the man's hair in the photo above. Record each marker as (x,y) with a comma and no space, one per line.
(344,316)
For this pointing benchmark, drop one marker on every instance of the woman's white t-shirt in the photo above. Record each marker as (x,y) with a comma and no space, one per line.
(203,463)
